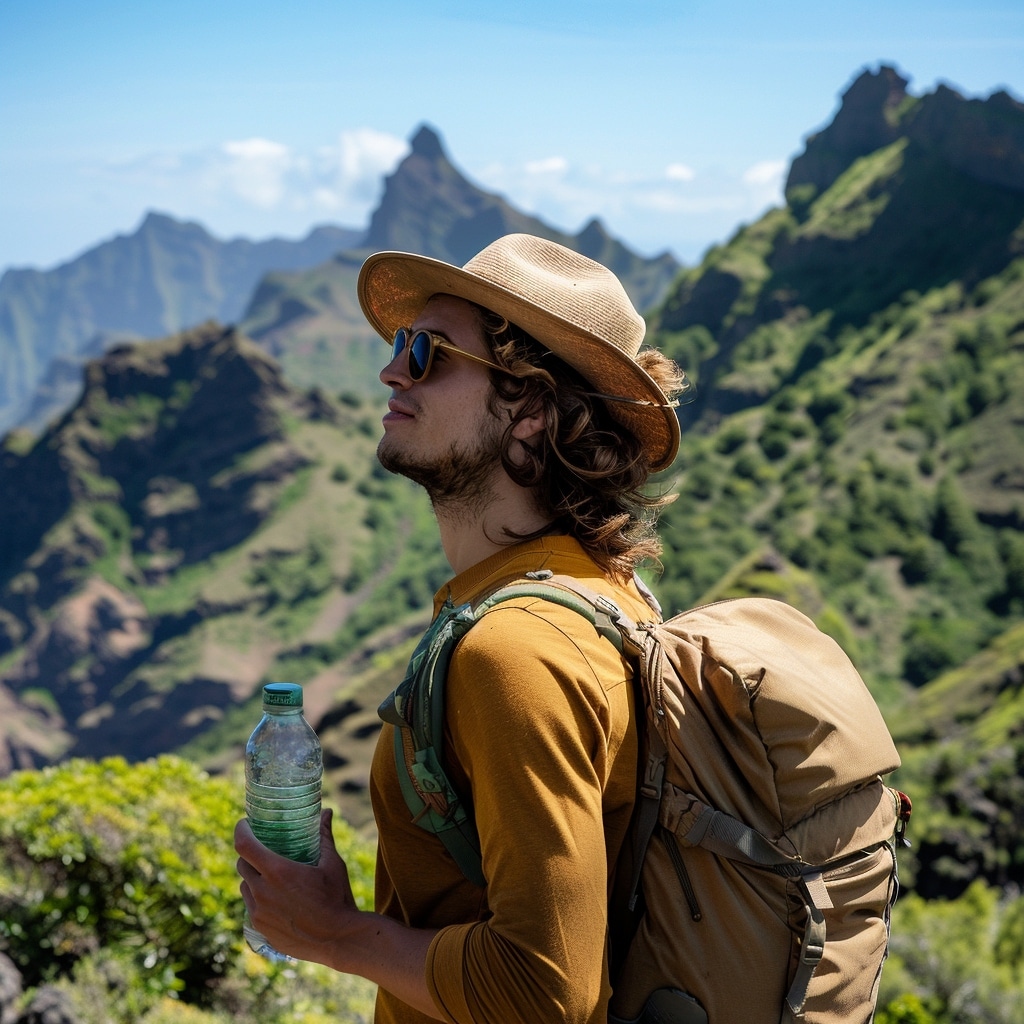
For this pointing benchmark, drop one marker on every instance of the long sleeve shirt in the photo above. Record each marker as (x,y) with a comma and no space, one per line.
(540,737)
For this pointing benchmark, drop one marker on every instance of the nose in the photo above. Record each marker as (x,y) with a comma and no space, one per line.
(396,373)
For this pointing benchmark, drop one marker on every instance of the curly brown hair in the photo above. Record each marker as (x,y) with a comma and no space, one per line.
(589,471)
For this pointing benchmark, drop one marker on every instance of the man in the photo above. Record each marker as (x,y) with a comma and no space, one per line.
(521,403)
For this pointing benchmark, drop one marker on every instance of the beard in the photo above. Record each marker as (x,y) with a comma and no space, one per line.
(458,481)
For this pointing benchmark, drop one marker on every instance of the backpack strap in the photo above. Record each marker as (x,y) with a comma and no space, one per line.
(417,707)
(636,642)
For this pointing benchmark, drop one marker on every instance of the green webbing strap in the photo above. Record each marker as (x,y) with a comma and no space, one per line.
(727,837)
(600,613)
(455,828)
(417,708)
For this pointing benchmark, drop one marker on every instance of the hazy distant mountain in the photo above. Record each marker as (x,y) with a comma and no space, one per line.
(171,275)
(166,276)
(311,320)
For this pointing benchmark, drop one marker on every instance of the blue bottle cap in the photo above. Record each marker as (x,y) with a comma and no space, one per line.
(282,695)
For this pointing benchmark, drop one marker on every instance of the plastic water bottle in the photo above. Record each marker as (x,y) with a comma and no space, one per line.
(283,773)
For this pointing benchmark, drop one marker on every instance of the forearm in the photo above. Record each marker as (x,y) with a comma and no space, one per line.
(390,954)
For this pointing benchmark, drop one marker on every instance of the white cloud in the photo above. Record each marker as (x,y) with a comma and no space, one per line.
(766,172)
(680,172)
(268,178)
(256,170)
(682,207)
(364,157)
(549,165)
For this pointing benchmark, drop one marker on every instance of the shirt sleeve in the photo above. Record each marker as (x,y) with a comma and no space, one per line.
(536,711)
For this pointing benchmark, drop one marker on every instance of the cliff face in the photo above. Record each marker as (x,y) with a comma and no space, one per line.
(897,195)
(176,452)
(983,139)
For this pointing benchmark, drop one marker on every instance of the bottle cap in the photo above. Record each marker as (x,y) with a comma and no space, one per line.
(282,695)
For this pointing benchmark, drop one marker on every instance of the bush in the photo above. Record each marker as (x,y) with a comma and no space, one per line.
(120,878)
(104,854)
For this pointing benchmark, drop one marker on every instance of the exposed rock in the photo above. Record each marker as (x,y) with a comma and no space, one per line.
(982,138)
(10,989)
(49,1006)
(868,119)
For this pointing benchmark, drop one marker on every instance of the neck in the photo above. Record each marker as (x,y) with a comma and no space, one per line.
(469,535)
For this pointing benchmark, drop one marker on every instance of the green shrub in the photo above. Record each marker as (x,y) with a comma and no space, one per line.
(121,879)
(105,854)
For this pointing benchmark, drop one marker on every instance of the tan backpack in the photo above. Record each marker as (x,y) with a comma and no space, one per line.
(761,869)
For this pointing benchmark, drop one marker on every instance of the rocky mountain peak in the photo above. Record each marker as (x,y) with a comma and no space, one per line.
(982,138)
(427,143)
(868,119)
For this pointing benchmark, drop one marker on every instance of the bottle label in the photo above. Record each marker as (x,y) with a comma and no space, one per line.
(278,699)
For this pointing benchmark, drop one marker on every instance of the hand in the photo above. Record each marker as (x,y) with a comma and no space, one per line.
(307,911)
(303,910)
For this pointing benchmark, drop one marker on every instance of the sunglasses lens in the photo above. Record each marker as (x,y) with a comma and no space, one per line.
(419,355)
(419,352)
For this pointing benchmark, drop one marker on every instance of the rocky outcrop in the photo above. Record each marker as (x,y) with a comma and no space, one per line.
(176,451)
(981,138)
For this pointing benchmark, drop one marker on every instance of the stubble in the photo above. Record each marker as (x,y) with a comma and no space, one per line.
(458,482)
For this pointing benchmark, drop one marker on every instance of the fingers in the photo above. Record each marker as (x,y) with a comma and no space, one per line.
(259,859)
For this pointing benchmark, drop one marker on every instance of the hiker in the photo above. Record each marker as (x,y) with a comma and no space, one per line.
(522,404)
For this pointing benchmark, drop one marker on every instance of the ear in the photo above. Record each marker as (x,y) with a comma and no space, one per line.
(528,426)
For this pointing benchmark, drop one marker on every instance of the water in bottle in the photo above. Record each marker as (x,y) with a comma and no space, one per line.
(283,772)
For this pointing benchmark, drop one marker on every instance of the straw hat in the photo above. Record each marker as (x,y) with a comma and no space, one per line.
(575,307)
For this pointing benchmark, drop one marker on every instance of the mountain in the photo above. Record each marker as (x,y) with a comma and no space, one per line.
(166,276)
(296,299)
(897,195)
(857,443)
(183,531)
(311,320)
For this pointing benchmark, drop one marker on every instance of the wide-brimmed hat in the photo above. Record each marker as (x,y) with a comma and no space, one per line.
(572,305)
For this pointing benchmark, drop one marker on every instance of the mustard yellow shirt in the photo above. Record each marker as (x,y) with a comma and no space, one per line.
(539,735)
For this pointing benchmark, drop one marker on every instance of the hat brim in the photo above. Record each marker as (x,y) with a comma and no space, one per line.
(394,287)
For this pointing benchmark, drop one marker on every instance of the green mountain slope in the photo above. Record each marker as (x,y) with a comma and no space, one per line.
(192,528)
(197,525)
(860,353)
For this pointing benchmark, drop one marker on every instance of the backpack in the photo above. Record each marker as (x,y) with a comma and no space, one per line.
(756,884)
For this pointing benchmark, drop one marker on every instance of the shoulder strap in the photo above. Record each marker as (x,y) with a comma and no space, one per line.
(416,707)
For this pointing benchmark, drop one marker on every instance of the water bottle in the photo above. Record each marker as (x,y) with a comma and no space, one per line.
(283,771)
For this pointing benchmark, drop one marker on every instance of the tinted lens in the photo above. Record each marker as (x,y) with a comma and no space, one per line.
(419,355)
(419,351)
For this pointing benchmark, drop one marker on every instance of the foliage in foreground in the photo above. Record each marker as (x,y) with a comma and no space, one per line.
(118,883)
(955,961)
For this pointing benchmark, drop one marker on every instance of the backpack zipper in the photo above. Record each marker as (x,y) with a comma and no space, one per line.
(684,876)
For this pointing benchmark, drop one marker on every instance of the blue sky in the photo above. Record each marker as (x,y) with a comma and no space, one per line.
(672,120)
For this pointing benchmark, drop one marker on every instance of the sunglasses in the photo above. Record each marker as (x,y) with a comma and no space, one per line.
(421,346)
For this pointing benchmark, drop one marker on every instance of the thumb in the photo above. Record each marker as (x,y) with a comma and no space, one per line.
(328,848)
